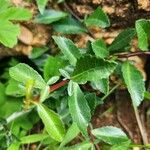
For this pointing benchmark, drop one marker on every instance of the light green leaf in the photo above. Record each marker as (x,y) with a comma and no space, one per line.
(98,18)
(52,66)
(50,16)
(33,138)
(14,88)
(52,122)
(4,5)
(69,26)
(101,85)
(134,81)
(143,32)
(72,132)
(41,5)
(110,135)
(68,48)
(100,49)
(90,68)
(23,73)
(86,145)
(8,33)
(79,109)
(122,41)
(52,80)
(15,13)
(14,146)
(44,93)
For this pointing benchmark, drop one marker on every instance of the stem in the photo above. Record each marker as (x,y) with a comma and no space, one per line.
(139,53)
(111,91)
(58,85)
(141,127)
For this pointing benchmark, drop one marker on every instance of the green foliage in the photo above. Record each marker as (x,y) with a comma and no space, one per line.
(122,41)
(52,122)
(143,33)
(9,31)
(92,69)
(79,109)
(50,16)
(110,135)
(134,81)
(41,5)
(98,18)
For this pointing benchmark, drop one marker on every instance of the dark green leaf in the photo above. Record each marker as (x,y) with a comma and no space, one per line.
(69,26)
(52,122)
(90,68)
(122,41)
(50,16)
(68,48)
(98,18)
(24,73)
(134,81)
(110,135)
(143,33)
(79,109)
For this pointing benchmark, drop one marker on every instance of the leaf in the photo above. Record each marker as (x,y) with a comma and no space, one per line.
(37,52)
(86,145)
(147,95)
(72,132)
(79,109)
(3,97)
(90,68)
(33,138)
(100,49)
(122,41)
(68,48)
(15,13)
(52,122)
(101,85)
(14,146)
(50,16)
(41,5)
(8,33)
(98,18)
(143,32)
(134,81)
(52,66)
(44,93)
(110,135)
(23,73)
(69,26)
(14,88)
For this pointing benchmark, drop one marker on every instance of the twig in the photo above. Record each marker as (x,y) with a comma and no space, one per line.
(141,127)
(76,17)
(132,54)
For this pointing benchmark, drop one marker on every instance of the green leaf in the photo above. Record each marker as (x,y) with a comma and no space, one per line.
(52,66)
(44,93)
(41,5)
(4,5)
(3,97)
(37,52)
(98,18)
(24,73)
(14,88)
(134,81)
(69,26)
(100,49)
(33,138)
(101,85)
(79,109)
(86,145)
(143,32)
(110,135)
(15,13)
(52,122)
(90,68)
(50,16)
(72,132)
(122,41)
(8,33)
(147,95)
(68,48)
(14,146)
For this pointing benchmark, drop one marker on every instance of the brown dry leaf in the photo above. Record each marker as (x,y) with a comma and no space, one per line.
(25,36)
